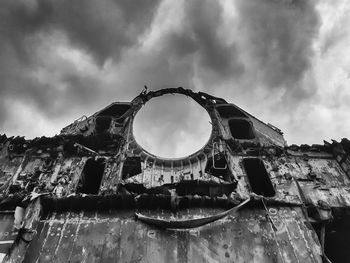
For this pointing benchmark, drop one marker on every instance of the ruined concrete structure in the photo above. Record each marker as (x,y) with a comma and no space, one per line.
(93,194)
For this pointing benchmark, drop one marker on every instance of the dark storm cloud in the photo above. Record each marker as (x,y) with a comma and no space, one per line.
(279,36)
(199,38)
(19,83)
(268,45)
(204,19)
(100,28)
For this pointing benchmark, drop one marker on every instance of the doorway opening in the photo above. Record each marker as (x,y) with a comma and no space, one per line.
(258,177)
(91,176)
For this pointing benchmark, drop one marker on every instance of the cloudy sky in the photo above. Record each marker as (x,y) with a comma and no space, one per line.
(285,61)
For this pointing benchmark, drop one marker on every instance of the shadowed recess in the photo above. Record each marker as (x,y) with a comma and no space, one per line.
(91,176)
(258,177)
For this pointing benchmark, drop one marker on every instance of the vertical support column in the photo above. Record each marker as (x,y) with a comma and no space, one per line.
(191,168)
(144,169)
(172,174)
(152,172)
(200,167)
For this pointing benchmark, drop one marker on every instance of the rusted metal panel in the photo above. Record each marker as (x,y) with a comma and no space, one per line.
(7,233)
(267,135)
(117,236)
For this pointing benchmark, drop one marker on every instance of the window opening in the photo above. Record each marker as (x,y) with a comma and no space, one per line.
(229,111)
(91,176)
(103,123)
(337,238)
(241,129)
(131,167)
(115,110)
(258,177)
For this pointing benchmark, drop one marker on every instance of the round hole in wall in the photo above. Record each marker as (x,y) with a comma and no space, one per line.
(172,126)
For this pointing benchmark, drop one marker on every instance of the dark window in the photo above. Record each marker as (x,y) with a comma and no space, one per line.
(131,167)
(114,110)
(230,111)
(337,238)
(102,123)
(241,129)
(258,178)
(91,176)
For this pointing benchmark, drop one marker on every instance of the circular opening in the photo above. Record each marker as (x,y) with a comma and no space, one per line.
(172,126)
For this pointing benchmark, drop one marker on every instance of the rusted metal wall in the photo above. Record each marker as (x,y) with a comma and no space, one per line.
(117,237)
(62,224)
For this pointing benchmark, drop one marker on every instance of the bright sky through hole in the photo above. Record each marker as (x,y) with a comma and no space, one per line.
(172,126)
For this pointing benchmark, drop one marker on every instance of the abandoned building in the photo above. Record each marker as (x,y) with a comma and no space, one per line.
(93,194)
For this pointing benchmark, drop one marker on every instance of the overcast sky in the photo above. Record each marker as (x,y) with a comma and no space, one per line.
(286,62)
